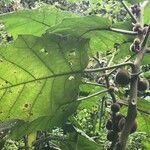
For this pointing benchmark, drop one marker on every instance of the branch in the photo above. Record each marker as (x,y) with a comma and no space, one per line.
(128,10)
(108,74)
(147,112)
(132,102)
(108,68)
(92,95)
(49,138)
(93,83)
(123,31)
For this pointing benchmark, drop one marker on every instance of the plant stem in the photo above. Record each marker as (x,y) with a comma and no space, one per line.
(108,74)
(128,10)
(123,31)
(132,102)
(93,83)
(92,95)
(108,68)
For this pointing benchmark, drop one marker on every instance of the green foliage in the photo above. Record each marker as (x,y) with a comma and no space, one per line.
(42,76)
(41,19)
(41,72)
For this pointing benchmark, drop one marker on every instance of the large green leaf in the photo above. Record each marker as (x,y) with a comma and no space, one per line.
(38,81)
(33,22)
(93,27)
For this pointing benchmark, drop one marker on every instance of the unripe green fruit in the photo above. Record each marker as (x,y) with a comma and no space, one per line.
(122,77)
(143,84)
(111,136)
(115,107)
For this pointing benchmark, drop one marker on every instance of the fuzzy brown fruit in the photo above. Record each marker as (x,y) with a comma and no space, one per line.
(111,136)
(109,125)
(134,127)
(122,77)
(115,107)
(121,123)
(143,84)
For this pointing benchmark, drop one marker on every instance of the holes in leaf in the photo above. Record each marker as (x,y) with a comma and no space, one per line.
(30,114)
(26,105)
(1,60)
(44,51)
(71,78)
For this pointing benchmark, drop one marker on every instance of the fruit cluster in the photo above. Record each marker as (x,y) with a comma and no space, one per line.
(117,122)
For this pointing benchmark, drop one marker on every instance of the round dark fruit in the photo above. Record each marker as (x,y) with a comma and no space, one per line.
(111,136)
(115,127)
(143,84)
(121,123)
(122,77)
(109,125)
(115,107)
(134,127)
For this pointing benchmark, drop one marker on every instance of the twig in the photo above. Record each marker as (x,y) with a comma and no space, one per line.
(108,68)
(132,102)
(92,95)
(93,83)
(128,10)
(110,29)
(108,74)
